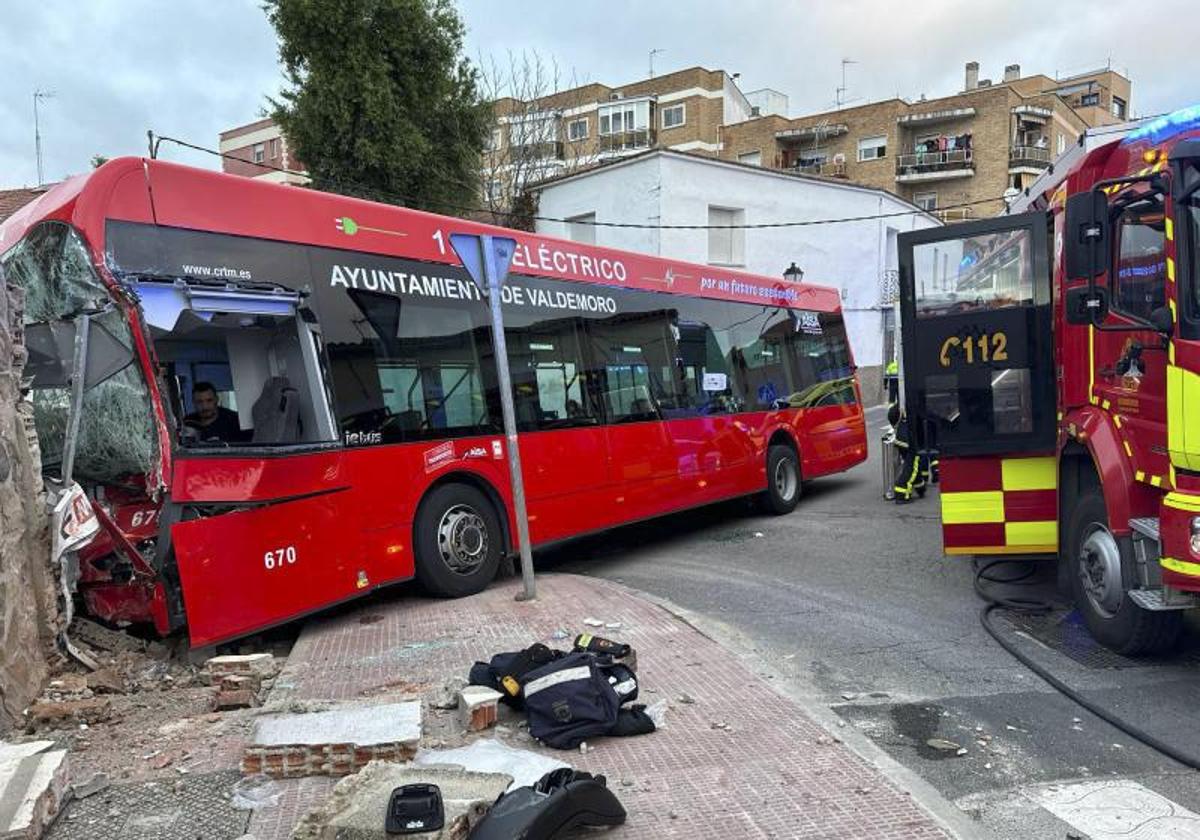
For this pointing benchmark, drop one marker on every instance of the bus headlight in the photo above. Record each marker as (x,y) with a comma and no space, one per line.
(1195,541)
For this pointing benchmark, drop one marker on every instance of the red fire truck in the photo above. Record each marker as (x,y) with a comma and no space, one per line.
(278,399)
(1052,358)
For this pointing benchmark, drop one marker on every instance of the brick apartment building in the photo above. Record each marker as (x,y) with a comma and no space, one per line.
(595,123)
(939,153)
(259,150)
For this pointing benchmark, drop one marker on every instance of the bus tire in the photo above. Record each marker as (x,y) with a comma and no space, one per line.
(1099,564)
(783,480)
(457,541)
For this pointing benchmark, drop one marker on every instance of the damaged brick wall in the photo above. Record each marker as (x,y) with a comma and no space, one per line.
(28,602)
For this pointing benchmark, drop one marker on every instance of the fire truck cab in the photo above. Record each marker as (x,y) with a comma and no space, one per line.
(1052,358)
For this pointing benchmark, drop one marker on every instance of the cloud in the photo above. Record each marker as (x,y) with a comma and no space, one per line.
(191,68)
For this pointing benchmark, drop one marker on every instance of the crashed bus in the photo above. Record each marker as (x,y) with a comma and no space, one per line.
(1052,358)
(272,399)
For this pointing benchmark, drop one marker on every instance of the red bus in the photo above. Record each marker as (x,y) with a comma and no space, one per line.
(359,440)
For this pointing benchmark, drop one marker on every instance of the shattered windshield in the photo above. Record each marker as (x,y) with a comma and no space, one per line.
(116,429)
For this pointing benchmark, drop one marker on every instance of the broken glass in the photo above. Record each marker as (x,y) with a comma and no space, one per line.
(52,265)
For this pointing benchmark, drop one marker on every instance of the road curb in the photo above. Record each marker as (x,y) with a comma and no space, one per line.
(947,815)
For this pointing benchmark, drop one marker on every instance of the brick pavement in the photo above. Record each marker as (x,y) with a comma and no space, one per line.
(771,773)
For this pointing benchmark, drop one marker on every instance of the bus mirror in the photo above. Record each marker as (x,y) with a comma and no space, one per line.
(1086,235)
(1086,305)
(1162,321)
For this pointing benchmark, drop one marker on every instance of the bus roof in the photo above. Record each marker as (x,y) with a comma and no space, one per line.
(171,195)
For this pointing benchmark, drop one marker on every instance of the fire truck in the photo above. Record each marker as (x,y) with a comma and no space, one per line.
(1051,358)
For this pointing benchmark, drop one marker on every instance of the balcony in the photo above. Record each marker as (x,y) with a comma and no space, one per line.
(545,150)
(811,132)
(954,214)
(625,141)
(934,166)
(1029,157)
(829,170)
(934,117)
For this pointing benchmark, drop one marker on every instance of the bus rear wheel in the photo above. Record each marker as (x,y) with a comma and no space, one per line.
(457,541)
(1097,562)
(783,480)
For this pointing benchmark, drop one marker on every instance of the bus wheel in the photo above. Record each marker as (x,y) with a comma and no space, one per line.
(457,541)
(783,480)
(1096,562)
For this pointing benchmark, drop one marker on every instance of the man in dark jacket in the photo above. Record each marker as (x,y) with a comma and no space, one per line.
(211,420)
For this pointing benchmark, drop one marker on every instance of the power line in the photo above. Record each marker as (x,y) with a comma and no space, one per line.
(360,188)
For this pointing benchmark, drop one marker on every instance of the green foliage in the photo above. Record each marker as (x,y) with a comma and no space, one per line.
(380,101)
(99,160)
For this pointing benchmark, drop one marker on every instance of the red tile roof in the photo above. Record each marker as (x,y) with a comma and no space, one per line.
(13,200)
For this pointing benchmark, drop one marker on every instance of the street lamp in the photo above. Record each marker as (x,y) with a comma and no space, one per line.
(794,273)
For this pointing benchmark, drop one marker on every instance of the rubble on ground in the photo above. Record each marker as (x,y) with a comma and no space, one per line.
(336,742)
(33,782)
(355,809)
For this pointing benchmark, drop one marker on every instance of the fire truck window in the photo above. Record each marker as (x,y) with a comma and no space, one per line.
(1141,260)
(1194,249)
(1012,406)
(987,271)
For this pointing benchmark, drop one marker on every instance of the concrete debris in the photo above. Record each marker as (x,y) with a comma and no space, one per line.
(488,755)
(53,713)
(477,707)
(106,681)
(612,625)
(446,697)
(336,742)
(355,809)
(593,622)
(33,784)
(114,641)
(685,699)
(942,745)
(264,665)
(68,684)
(226,700)
(97,783)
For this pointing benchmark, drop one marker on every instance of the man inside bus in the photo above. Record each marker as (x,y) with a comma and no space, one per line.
(211,420)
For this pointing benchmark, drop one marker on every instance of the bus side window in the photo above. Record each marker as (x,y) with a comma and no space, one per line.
(635,356)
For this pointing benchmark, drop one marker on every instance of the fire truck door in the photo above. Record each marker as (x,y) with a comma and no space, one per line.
(979,378)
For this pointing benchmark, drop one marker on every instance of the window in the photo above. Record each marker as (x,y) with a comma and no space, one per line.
(577,129)
(1062,143)
(1141,261)
(493,190)
(533,129)
(624,116)
(987,271)
(1118,107)
(726,242)
(751,158)
(259,152)
(1089,99)
(673,116)
(926,201)
(495,140)
(634,354)
(582,228)
(872,148)
(273,148)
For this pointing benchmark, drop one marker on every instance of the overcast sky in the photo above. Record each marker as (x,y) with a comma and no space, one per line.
(191,68)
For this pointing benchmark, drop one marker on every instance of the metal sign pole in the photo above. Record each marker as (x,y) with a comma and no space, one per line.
(491,251)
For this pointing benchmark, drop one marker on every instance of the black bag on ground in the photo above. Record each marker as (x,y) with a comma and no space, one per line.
(570,700)
(507,672)
(558,804)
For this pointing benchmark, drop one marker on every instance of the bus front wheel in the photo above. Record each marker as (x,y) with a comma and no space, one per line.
(457,541)
(1098,562)
(783,480)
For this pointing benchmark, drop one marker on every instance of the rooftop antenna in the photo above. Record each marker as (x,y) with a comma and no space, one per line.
(652,54)
(842,90)
(38,97)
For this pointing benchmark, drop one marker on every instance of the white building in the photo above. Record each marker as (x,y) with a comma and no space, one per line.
(662,187)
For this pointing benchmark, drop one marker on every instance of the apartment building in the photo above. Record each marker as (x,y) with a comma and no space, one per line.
(954,155)
(259,150)
(577,128)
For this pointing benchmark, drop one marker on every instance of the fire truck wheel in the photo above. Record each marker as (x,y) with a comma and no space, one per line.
(1100,564)
(457,541)
(783,480)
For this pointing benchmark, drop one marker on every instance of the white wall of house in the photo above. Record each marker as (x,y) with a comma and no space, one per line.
(668,188)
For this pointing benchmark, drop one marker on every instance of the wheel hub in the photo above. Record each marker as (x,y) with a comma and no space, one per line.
(1100,571)
(785,479)
(462,539)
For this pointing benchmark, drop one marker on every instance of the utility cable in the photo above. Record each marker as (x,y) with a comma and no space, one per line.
(360,188)
(987,573)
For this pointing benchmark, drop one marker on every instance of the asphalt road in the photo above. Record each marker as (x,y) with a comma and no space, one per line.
(851,601)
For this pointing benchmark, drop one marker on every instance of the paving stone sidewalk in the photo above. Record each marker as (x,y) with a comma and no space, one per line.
(739,760)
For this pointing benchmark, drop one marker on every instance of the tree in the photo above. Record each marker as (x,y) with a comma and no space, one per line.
(99,160)
(529,138)
(381,102)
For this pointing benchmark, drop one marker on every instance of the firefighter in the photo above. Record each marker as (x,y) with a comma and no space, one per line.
(913,476)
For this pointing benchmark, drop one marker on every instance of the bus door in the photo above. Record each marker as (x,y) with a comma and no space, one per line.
(262,519)
(979,379)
